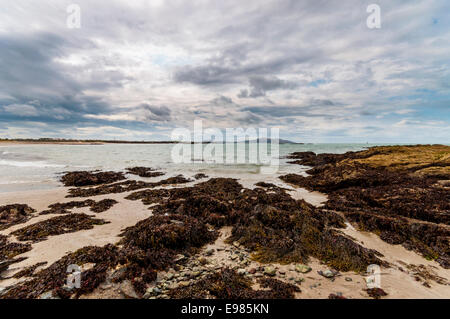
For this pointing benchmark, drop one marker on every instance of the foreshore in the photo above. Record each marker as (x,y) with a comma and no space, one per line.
(202,230)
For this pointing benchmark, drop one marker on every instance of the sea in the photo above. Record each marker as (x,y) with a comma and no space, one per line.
(25,167)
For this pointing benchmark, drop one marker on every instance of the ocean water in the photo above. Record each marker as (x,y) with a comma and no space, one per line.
(28,167)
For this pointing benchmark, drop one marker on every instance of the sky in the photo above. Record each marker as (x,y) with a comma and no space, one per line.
(137,70)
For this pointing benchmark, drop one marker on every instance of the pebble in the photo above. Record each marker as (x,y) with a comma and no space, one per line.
(348,279)
(302,268)
(327,273)
(47,295)
(270,271)
(209,252)
(241,271)
(184,283)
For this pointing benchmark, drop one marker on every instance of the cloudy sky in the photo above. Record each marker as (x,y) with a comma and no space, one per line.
(138,69)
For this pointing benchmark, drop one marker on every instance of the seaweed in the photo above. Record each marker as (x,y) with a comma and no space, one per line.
(126,186)
(395,192)
(14,214)
(103,205)
(144,171)
(57,225)
(376,293)
(200,176)
(10,250)
(96,207)
(28,271)
(85,178)
(227,284)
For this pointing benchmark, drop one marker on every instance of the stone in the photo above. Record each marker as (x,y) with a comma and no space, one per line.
(126,288)
(209,252)
(302,268)
(270,271)
(236,244)
(326,273)
(252,271)
(48,295)
(348,279)
(179,257)
(241,271)
(183,283)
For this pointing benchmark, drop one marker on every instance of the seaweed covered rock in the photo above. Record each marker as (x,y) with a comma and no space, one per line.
(125,186)
(14,214)
(96,207)
(175,232)
(57,225)
(144,171)
(54,277)
(10,250)
(28,271)
(228,284)
(273,225)
(103,205)
(85,178)
(397,192)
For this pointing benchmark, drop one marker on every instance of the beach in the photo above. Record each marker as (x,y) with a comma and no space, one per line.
(405,272)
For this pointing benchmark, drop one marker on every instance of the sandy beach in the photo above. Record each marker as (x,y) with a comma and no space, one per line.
(397,281)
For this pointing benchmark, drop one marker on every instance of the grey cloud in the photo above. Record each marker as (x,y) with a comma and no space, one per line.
(156,113)
(260,85)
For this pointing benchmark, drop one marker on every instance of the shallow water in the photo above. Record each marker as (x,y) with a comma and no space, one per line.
(28,167)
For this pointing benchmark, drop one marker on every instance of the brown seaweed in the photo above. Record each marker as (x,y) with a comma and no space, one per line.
(57,225)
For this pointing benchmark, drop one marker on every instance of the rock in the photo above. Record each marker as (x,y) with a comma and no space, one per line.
(241,271)
(348,279)
(299,280)
(209,252)
(179,257)
(326,273)
(376,293)
(170,276)
(302,268)
(282,272)
(184,283)
(48,295)
(252,271)
(234,257)
(105,285)
(270,271)
(126,288)
(236,244)
(156,291)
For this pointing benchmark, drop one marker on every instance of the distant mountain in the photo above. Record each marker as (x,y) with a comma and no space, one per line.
(269,140)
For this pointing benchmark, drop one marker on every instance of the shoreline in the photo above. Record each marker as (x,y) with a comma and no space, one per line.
(127,213)
(405,274)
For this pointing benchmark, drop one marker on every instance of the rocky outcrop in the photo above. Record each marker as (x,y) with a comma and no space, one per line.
(396,192)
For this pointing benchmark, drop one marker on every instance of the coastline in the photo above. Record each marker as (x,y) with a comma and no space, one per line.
(399,279)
